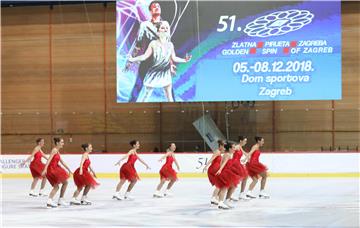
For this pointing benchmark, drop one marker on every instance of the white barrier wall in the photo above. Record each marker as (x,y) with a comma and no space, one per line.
(194,163)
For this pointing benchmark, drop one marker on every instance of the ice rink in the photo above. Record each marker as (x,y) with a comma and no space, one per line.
(295,202)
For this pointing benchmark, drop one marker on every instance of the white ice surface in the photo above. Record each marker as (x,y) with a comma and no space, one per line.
(297,202)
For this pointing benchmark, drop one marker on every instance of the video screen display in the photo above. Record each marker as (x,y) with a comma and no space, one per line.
(193,51)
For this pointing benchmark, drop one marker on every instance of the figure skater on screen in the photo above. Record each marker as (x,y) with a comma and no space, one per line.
(147,33)
(163,53)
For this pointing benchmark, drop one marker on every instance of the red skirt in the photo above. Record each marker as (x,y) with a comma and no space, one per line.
(128,172)
(86,179)
(36,168)
(56,175)
(168,173)
(255,168)
(239,169)
(214,167)
(226,179)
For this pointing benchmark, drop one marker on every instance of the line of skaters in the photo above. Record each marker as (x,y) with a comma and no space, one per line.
(229,166)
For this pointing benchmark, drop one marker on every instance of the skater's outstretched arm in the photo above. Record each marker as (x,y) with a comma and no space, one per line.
(36,149)
(246,154)
(224,160)
(53,152)
(176,163)
(93,172)
(145,56)
(163,157)
(138,45)
(124,157)
(44,155)
(146,165)
(176,59)
(215,154)
(63,163)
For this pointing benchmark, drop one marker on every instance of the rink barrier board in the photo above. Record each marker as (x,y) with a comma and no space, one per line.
(191,165)
(204,175)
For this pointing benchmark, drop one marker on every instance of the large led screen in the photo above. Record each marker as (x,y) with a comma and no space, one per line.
(187,51)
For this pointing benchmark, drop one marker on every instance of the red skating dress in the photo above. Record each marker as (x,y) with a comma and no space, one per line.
(254,167)
(167,172)
(36,166)
(86,179)
(227,178)
(238,168)
(214,167)
(128,171)
(55,173)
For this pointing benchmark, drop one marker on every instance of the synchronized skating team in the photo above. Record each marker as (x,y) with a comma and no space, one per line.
(229,166)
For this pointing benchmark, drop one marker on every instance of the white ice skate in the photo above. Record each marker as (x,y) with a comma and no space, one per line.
(168,193)
(51,204)
(41,193)
(244,197)
(117,196)
(62,202)
(227,203)
(264,195)
(75,201)
(128,197)
(214,201)
(85,201)
(223,206)
(250,194)
(158,194)
(32,193)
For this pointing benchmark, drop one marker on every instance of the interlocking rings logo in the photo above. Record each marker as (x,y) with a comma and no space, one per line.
(279,23)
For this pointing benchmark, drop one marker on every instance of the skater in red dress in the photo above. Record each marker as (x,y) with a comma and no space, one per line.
(236,169)
(167,173)
(256,169)
(238,165)
(56,175)
(36,167)
(214,164)
(226,179)
(128,171)
(84,177)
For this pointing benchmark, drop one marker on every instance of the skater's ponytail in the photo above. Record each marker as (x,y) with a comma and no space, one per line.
(221,142)
(171,145)
(133,142)
(241,138)
(39,140)
(228,146)
(258,139)
(85,146)
(57,140)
